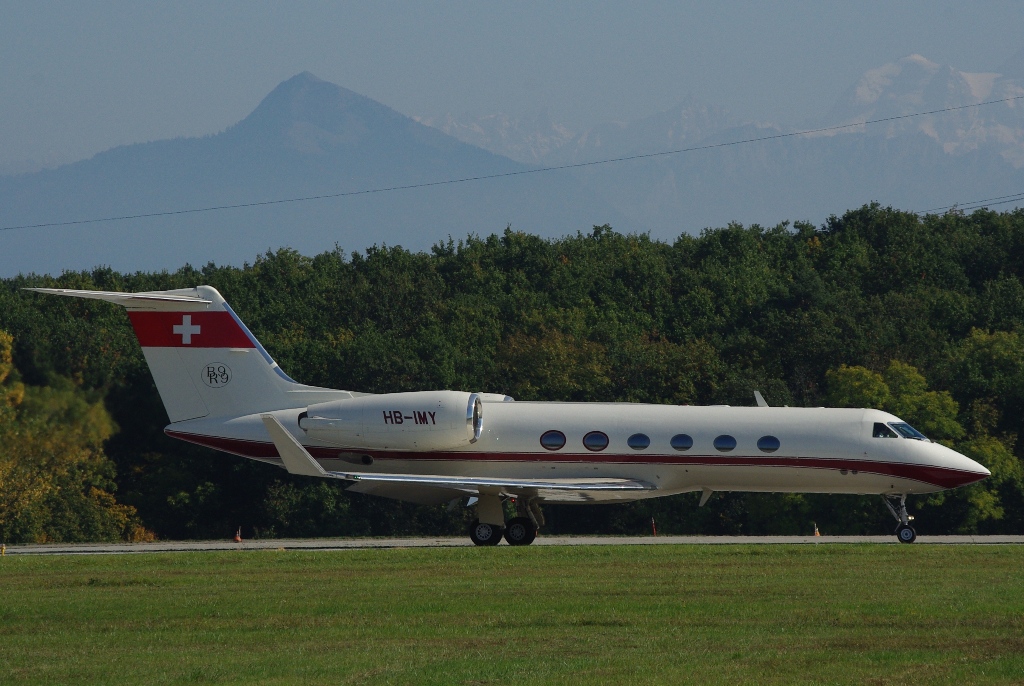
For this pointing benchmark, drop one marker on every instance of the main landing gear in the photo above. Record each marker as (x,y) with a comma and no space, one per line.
(904,532)
(485,534)
(520,530)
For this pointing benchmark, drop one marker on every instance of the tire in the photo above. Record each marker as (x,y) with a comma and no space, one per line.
(485,534)
(520,531)
(905,533)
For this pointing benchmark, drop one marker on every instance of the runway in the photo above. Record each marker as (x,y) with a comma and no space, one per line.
(464,542)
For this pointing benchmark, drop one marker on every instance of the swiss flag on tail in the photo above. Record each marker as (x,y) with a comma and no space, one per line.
(188,330)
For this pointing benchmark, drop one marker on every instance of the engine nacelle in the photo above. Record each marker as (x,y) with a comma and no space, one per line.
(423,420)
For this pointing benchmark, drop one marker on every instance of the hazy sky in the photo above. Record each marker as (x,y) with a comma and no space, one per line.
(78,78)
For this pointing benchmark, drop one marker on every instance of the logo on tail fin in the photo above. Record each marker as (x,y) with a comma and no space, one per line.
(216,375)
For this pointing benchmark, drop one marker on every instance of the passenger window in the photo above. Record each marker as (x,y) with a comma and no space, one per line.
(882,431)
(595,441)
(681,442)
(768,444)
(725,443)
(553,440)
(638,441)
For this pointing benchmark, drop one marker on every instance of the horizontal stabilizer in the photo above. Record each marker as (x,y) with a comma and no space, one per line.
(126,299)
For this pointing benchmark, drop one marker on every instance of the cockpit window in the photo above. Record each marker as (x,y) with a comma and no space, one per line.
(907,431)
(882,431)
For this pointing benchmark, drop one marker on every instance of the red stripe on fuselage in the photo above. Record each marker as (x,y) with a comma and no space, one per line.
(935,476)
(188,330)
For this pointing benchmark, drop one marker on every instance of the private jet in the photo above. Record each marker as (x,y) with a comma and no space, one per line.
(222,390)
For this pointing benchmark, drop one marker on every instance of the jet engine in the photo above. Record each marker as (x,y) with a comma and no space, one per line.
(423,420)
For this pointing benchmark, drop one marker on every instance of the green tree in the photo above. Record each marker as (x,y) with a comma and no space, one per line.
(55,481)
(808,315)
(903,391)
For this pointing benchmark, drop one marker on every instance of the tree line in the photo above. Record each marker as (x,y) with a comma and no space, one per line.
(921,316)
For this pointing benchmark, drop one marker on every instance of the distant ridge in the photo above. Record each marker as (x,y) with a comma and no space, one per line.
(913,164)
(309,137)
(306,137)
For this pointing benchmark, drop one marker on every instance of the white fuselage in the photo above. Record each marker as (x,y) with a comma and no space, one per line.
(820,450)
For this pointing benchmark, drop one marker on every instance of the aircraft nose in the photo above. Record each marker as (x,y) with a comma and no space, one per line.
(973,471)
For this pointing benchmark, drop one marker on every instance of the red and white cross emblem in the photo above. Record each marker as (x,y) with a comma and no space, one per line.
(186,329)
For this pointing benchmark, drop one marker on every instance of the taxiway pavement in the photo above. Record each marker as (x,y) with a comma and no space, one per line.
(462,542)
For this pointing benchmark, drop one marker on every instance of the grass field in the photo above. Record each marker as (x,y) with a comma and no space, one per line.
(879,614)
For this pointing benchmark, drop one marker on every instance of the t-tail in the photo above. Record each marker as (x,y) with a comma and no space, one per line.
(204,360)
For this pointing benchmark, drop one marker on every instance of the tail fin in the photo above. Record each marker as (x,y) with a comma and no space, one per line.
(204,360)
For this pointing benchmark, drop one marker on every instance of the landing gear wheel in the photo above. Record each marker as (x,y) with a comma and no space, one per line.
(485,534)
(906,533)
(520,531)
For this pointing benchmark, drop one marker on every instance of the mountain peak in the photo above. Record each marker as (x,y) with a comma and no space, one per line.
(304,76)
(905,74)
(918,61)
(308,113)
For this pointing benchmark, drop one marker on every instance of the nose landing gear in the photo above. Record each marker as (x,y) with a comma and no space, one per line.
(904,532)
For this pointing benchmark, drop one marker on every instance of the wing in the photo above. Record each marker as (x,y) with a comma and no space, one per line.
(298,461)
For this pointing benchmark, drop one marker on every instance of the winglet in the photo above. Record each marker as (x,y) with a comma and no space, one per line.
(296,459)
(760,399)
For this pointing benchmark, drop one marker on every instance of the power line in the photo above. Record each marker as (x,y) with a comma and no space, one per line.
(485,177)
(1019,197)
(975,204)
